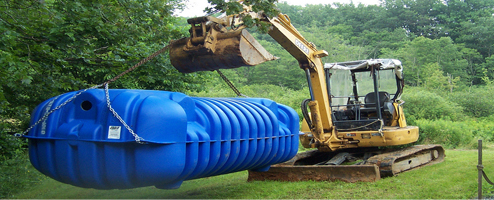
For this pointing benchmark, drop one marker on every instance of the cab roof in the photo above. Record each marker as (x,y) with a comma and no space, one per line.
(365,65)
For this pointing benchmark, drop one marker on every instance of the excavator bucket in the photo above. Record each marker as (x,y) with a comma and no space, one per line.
(216,49)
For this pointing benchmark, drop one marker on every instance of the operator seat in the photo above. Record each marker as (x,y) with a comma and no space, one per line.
(369,109)
(370,99)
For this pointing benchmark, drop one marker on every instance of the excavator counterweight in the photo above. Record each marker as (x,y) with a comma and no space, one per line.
(354,124)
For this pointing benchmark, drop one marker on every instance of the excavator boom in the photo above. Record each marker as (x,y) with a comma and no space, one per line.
(224,43)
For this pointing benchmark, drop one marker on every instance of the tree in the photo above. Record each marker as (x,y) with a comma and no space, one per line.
(376,41)
(420,53)
(478,35)
(453,14)
(435,79)
(52,47)
(415,16)
(267,7)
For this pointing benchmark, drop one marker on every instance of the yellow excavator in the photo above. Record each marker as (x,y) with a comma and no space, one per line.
(344,127)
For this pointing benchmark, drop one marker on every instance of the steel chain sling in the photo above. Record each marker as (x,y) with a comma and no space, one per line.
(107,95)
(229,83)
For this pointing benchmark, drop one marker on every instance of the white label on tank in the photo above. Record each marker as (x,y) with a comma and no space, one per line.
(114,132)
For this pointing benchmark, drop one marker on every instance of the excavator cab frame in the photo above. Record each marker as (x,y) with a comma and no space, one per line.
(212,46)
(364,123)
(371,103)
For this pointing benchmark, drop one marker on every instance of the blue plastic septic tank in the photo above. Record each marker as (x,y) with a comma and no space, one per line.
(83,144)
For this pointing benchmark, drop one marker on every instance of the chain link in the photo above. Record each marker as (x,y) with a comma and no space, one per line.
(108,104)
(229,83)
(55,109)
(107,95)
(143,61)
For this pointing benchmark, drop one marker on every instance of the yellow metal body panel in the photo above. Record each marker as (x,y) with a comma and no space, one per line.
(309,58)
(212,46)
(391,136)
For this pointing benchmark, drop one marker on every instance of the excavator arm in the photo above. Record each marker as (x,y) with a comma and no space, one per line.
(224,43)
(309,58)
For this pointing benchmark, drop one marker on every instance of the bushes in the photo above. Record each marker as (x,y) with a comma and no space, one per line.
(423,104)
(482,128)
(16,174)
(448,133)
(456,134)
(477,102)
(455,119)
(10,146)
(474,102)
(440,119)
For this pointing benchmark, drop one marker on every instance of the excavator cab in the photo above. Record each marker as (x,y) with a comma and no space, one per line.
(363,93)
(367,112)
(366,109)
(346,119)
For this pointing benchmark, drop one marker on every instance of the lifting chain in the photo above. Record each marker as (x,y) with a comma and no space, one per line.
(56,108)
(229,83)
(107,95)
(115,114)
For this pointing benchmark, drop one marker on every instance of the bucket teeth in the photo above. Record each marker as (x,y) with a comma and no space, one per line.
(217,50)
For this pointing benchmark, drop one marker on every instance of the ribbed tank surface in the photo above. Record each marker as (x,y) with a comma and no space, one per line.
(182,138)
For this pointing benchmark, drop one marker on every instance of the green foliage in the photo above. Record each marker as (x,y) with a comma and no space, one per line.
(448,133)
(17,175)
(234,7)
(379,41)
(10,146)
(423,104)
(283,72)
(267,7)
(435,80)
(442,39)
(453,34)
(488,71)
(476,102)
(419,55)
(483,128)
(286,96)
(455,119)
(52,47)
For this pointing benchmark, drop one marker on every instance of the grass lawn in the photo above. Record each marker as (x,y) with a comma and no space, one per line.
(455,178)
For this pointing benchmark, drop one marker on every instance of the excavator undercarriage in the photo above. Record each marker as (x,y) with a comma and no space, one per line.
(354,165)
(356,140)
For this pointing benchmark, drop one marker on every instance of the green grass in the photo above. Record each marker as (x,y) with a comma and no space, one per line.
(17,174)
(455,178)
